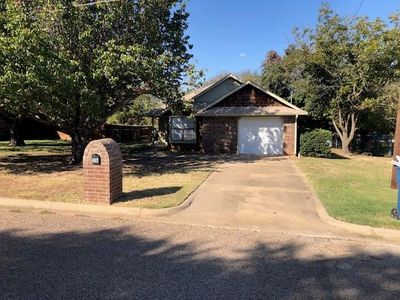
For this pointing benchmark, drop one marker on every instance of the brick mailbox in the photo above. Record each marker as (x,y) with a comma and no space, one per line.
(102,167)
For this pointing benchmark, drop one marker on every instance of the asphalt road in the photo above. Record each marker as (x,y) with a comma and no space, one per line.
(52,256)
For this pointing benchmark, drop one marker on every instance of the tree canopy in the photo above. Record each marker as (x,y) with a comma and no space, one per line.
(135,114)
(340,69)
(21,62)
(98,57)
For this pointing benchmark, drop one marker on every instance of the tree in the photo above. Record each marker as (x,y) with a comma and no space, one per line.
(274,75)
(389,103)
(135,113)
(101,56)
(20,53)
(249,75)
(244,76)
(348,62)
(380,113)
(283,75)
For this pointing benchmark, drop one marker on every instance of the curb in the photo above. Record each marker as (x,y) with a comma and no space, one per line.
(93,209)
(99,209)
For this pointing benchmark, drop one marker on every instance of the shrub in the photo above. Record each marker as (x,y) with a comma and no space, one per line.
(317,142)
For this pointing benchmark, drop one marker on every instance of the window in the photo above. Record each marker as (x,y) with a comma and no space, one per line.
(182,130)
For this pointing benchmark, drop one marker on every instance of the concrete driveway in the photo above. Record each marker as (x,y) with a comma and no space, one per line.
(266,193)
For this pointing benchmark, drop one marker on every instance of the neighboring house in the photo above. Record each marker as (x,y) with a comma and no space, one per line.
(31,130)
(236,117)
(4,130)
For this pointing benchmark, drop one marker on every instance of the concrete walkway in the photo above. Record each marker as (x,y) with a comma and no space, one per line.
(267,194)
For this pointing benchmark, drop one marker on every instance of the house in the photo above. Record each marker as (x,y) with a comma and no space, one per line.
(238,117)
(31,129)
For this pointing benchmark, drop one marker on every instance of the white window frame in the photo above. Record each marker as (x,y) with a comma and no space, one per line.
(183,125)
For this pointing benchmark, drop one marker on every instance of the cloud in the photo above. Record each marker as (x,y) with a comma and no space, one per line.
(242,54)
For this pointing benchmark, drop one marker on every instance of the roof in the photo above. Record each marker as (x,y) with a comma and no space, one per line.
(192,94)
(200,91)
(287,109)
(237,111)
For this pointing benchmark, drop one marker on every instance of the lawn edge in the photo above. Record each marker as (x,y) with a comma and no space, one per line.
(378,233)
(90,209)
(98,209)
(184,200)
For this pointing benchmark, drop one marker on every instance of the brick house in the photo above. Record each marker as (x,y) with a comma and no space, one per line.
(236,117)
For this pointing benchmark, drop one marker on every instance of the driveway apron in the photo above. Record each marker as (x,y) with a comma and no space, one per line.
(267,193)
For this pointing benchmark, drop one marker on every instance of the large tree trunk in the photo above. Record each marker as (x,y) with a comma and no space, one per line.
(345,128)
(16,138)
(78,143)
(78,137)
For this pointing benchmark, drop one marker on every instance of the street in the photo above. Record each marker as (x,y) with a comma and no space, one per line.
(45,255)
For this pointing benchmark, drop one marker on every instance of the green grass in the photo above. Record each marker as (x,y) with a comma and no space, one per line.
(356,190)
(47,146)
(128,148)
(61,147)
(161,190)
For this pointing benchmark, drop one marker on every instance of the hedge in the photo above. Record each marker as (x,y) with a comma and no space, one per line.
(317,142)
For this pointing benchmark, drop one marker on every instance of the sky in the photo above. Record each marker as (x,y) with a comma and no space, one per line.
(235,35)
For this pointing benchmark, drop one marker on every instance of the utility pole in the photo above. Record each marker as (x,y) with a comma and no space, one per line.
(396,148)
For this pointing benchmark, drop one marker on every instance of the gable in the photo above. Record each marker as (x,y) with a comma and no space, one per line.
(214,93)
(250,99)
(249,95)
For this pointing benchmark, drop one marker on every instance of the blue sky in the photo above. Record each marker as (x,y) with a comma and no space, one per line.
(235,35)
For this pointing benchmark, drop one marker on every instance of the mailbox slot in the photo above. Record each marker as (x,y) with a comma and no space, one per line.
(96,160)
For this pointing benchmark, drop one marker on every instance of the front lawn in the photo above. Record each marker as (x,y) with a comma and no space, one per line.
(152,179)
(356,190)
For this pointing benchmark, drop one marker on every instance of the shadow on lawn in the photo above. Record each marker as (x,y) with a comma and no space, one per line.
(114,264)
(149,163)
(337,156)
(140,194)
(32,163)
(139,164)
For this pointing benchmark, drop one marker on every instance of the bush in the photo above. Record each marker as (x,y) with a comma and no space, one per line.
(316,143)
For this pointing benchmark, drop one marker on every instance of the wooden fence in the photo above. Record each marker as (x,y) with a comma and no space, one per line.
(129,133)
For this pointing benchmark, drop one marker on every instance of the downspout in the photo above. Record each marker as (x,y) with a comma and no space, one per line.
(295,135)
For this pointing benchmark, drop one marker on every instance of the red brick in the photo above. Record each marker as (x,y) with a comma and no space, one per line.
(103,183)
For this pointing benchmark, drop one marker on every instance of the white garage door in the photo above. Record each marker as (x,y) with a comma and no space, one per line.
(260,135)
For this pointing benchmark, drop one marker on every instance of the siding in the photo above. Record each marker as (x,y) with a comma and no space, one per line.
(215,93)
(249,96)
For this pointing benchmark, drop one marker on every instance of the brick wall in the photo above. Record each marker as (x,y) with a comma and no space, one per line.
(249,96)
(218,135)
(289,132)
(103,183)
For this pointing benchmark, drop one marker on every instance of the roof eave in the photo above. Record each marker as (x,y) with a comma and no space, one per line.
(281,114)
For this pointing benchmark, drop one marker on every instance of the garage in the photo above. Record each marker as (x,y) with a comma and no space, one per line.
(234,117)
(260,135)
